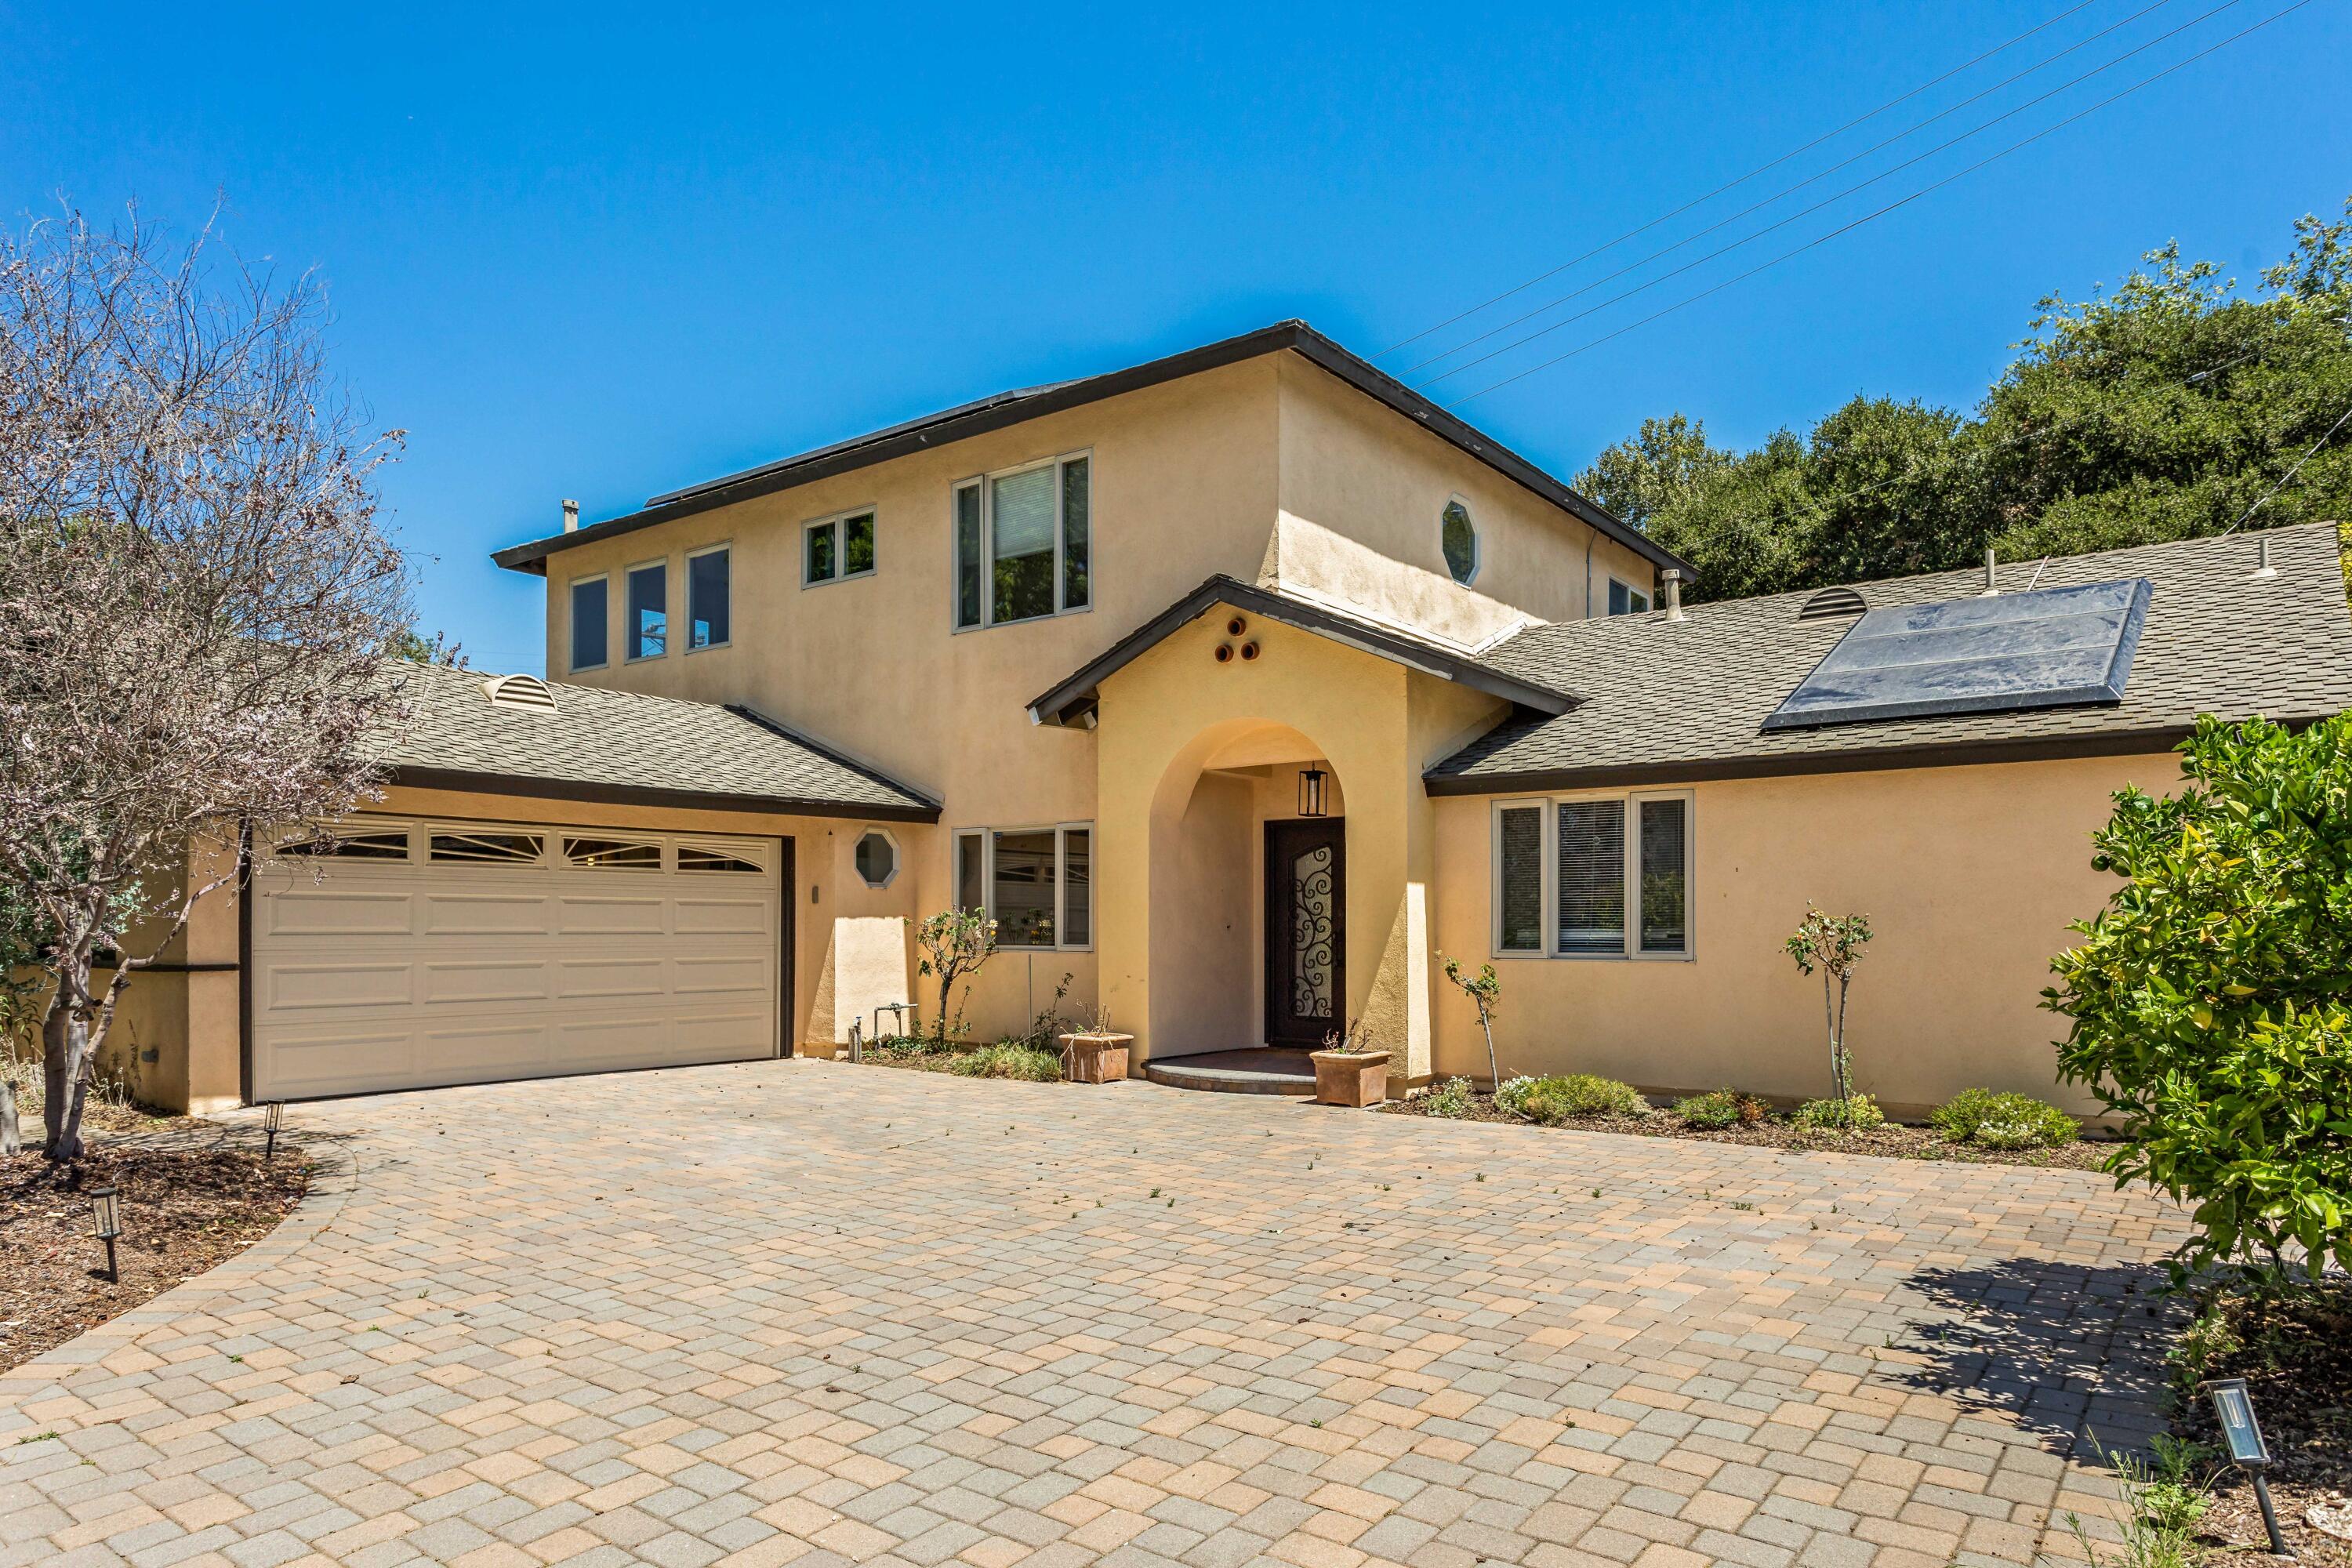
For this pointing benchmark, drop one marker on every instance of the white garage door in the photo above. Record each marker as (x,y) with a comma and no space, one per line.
(439,953)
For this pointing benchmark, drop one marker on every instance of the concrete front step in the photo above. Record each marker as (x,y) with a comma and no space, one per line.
(1264,1069)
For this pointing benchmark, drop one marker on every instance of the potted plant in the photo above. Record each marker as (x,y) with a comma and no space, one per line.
(1096,1053)
(1351,1069)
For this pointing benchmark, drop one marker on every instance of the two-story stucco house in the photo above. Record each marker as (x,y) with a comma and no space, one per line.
(1236,687)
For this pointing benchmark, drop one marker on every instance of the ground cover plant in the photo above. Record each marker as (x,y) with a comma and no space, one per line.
(1008,1058)
(2003,1120)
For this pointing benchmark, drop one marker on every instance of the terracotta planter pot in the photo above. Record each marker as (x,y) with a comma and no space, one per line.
(1097,1059)
(1350,1077)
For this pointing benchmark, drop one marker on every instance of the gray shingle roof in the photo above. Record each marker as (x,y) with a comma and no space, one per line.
(1676,700)
(621,745)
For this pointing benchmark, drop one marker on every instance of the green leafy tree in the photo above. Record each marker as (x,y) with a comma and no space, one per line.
(2170,407)
(2209,998)
(1832,945)
(437,650)
(1484,990)
(954,944)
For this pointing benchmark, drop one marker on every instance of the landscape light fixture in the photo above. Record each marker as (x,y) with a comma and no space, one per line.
(271,1121)
(2234,1407)
(106,1224)
(1312,798)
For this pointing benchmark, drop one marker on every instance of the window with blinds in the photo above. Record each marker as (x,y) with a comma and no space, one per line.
(1023,543)
(1592,876)
(1595,876)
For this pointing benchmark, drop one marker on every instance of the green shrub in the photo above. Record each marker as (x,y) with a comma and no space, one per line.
(1009,1058)
(1721,1107)
(1452,1098)
(2003,1120)
(1858,1114)
(1511,1095)
(1551,1100)
(2207,998)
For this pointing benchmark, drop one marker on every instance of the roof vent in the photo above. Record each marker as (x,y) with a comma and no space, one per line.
(528,692)
(1830,603)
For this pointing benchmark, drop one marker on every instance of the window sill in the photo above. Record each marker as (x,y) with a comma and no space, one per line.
(1023,621)
(711,646)
(843,577)
(588,668)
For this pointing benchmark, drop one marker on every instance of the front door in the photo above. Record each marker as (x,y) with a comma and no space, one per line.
(1305,930)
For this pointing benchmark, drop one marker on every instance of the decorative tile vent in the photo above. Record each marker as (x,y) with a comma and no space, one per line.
(528,692)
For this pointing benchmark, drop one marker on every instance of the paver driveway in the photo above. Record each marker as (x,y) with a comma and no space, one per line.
(802,1311)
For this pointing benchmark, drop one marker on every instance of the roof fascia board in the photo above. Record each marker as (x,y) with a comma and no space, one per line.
(988,417)
(834,754)
(1050,707)
(1957,753)
(594,792)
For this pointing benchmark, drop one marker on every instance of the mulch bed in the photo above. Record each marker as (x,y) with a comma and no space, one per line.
(2296,1359)
(188,1203)
(1892,1141)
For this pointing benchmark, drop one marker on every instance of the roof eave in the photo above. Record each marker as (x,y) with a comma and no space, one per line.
(1077,691)
(995,414)
(603,792)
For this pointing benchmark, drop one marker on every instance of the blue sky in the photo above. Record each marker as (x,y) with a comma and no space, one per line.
(603,251)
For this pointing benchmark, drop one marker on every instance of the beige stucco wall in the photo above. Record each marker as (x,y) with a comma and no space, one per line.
(1970,875)
(1361,492)
(1269,471)
(1181,946)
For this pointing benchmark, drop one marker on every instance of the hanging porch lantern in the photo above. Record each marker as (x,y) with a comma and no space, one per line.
(1313,798)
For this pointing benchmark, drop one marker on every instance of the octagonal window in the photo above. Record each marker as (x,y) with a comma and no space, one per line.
(876,857)
(1458,537)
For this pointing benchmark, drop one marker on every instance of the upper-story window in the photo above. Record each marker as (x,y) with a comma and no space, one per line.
(1457,536)
(1624,599)
(649,631)
(590,628)
(833,548)
(705,597)
(1021,542)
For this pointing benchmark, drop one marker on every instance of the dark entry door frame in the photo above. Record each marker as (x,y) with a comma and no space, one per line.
(1305,930)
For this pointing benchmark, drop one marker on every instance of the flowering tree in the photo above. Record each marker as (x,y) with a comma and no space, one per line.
(1834,945)
(196,599)
(955,943)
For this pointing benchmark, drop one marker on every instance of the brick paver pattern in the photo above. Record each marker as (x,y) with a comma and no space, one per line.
(815,1313)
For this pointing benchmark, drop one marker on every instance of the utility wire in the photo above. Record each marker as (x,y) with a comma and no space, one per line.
(2291,473)
(1866,218)
(1833,199)
(1816,178)
(1734,184)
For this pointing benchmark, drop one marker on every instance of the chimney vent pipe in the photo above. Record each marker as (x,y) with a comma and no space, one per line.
(1991,588)
(571,515)
(1672,578)
(2263,567)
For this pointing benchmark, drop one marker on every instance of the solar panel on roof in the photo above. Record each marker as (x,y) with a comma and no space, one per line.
(2056,647)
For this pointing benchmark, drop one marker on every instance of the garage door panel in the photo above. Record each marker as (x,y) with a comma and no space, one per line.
(459,983)
(721,974)
(581,979)
(483,914)
(724,916)
(403,974)
(304,912)
(295,987)
(580,916)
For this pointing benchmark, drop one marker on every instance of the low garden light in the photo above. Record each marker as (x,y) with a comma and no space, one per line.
(271,1121)
(2234,1407)
(1313,797)
(106,1224)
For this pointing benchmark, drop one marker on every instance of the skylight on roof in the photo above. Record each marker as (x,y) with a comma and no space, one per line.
(2057,648)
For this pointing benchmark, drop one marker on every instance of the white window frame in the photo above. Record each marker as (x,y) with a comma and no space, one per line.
(629,654)
(840,552)
(1060,832)
(1548,806)
(1477,541)
(1649,600)
(987,486)
(897,854)
(570,618)
(685,583)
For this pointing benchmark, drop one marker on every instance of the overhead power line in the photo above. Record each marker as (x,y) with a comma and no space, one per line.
(1832,200)
(2291,473)
(1735,185)
(1849,227)
(1815,178)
